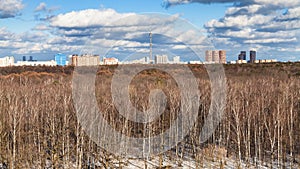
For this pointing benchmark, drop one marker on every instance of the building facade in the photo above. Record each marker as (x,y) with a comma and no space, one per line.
(215,56)
(222,56)
(7,61)
(252,56)
(176,59)
(85,60)
(242,56)
(110,61)
(161,59)
(208,56)
(61,59)
(36,63)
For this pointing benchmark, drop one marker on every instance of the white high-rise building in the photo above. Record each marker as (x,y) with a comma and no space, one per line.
(7,61)
(176,59)
(208,56)
(161,59)
(215,56)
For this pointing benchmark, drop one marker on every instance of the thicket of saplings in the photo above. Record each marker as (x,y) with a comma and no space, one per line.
(260,126)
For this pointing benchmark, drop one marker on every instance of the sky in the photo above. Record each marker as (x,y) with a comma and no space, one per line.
(120,28)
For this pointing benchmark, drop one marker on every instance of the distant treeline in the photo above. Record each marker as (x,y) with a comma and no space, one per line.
(281,68)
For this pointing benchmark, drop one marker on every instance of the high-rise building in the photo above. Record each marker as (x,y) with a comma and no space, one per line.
(176,59)
(7,61)
(30,58)
(222,56)
(242,55)
(85,60)
(161,59)
(73,60)
(208,56)
(61,59)
(215,56)
(147,59)
(252,56)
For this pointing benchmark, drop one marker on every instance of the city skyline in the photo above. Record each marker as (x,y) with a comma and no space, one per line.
(44,28)
(60,59)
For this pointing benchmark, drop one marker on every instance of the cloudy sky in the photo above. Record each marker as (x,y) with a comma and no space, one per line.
(120,28)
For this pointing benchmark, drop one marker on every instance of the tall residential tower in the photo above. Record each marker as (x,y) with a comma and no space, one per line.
(252,56)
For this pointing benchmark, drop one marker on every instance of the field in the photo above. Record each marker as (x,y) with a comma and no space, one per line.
(260,126)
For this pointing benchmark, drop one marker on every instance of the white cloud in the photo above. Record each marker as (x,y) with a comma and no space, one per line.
(278,3)
(286,3)
(10,8)
(101,29)
(179,47)
(169,3)
(41,7)
(41,27)
(109,18)
(33,36)
(250,9)
(267,25)
(97,31)
(240,21)
(271,40)
(5,34)
(23,43)
(292,13)
(87,18)
(127,31)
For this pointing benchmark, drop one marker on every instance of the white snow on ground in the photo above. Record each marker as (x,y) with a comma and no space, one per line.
(210,158)
(187,162)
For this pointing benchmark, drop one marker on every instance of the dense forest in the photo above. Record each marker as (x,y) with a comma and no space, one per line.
(260,126)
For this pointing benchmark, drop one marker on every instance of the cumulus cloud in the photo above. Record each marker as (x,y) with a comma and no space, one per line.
(286,3)
(35,36)
(43,12)
(270,40)
(10,8)
(278,3)
(41,27)
(5,34)
(41,7)
(26,43)
(107,18)
(269,25)
(128,32)
(86,18)
(170,3)
(98,31)
(277,27)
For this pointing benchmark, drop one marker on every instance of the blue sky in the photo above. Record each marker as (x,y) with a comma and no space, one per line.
(196,13)
(43,28)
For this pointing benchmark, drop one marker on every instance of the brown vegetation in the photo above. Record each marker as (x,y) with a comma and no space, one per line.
(261,124)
